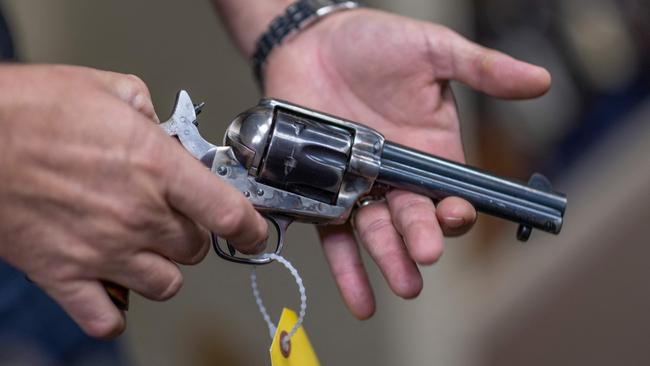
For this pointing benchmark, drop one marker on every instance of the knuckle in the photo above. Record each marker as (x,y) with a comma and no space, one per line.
(413,223)
(141,210)
(63,273)
(412,204)
(143,161)
(66,71)
(375,228)
(198,249)
(444,37)
(133,90)
(75,261)
(445,50)
(198,256)
(138,85)
(233,222)
(137,217)
(414,212)
(349,273)
(483,63)
(77,266)
(164,286)
(386,254)
(108,325)
(146,158)
(172,287)
(445,34)
(140,147)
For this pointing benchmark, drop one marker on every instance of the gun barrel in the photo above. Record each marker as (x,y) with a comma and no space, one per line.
(405,168)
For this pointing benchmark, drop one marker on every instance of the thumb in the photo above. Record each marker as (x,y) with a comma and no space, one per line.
(200,195)
(129,88)
(484,69)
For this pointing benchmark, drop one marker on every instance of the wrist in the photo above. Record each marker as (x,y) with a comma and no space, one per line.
(296,18)
(247,20)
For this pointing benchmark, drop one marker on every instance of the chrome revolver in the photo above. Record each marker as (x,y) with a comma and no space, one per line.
(296,164)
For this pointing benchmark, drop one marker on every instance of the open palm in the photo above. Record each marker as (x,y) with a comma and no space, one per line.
(392,74)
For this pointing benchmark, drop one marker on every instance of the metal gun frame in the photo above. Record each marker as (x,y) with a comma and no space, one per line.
(296,164)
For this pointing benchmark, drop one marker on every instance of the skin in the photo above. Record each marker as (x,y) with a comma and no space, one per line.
(92,189)
(393,74)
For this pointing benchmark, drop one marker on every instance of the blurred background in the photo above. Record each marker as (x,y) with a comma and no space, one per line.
(579,298)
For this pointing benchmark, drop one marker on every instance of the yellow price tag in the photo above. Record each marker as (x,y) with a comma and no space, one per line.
(298,351)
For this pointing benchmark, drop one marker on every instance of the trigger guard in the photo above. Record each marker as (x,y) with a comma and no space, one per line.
(279,222)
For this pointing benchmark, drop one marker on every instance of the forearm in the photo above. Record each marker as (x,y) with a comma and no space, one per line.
(246,20)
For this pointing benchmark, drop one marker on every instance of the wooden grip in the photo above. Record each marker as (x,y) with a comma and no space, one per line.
(118,294)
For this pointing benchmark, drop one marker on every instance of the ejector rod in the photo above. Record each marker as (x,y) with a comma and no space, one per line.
(438,178)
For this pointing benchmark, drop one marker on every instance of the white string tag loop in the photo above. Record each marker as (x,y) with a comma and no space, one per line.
(260,304)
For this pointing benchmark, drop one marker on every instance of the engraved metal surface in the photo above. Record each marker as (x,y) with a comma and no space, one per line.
(269,200)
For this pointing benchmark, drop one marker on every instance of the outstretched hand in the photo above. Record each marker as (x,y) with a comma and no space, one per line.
(392,73)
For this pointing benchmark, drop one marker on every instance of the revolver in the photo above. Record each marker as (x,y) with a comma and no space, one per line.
(297,164)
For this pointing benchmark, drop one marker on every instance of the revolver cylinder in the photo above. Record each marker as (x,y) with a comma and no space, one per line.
(306,157)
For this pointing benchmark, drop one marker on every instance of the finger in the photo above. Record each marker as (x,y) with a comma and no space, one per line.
(129,88)
(151,275)
(183,241)
(88,304)
(384,244)
(345,263)
(484,69)
(455,215)
(200,195)
(414,217)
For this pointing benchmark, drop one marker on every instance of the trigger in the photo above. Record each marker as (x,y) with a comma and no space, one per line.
(280,223)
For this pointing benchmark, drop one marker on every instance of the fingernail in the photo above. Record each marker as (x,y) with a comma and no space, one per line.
(138,101)
(454,222)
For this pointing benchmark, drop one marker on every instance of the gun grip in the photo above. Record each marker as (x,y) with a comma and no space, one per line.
(119,295)
(279,222)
